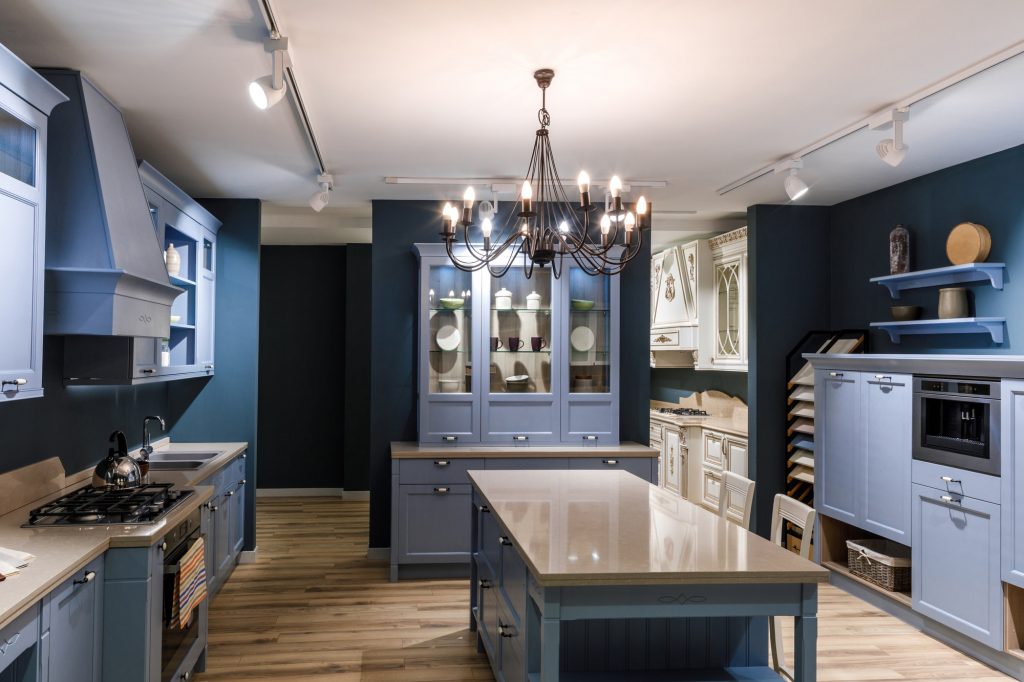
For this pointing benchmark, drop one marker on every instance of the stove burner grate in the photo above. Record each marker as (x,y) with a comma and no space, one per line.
(106,506)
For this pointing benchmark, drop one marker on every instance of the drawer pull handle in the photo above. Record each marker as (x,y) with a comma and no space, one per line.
(229,493)
(505,630)
(520,438)
(449,439)
(610,462)
(950,479)
(485,584)
(442,490)
(243,455)
(503,540)
(10,642)
(484,509)
(208,366)
(17,383)
(149,371)
(589,437)
(950,499)
(87,578)
(883,377)
(242,482)
(441,462)
(836,375)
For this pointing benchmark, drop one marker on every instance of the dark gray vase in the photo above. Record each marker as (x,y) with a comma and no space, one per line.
(899,250)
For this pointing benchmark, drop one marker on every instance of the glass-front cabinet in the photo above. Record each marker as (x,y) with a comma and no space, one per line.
(515,360)
(728,338)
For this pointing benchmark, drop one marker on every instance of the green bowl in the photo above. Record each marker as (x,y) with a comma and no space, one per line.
(452,303)
(581,304)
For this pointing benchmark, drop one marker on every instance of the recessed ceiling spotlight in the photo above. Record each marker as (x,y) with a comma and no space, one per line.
(322,197)
(795,187)
(267,91)
(891,149)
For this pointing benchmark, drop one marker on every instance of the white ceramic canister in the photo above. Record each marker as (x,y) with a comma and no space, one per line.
(173,259)
(533,301)
(503,299)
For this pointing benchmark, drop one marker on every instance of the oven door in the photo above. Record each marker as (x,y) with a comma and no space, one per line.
(960,431)
(176,641)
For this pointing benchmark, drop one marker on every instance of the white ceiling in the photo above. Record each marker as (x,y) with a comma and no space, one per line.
(697,93)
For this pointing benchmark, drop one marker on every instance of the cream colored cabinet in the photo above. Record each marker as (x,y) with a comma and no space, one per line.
(719,452)
(723,341)
(677,277)
(675,459)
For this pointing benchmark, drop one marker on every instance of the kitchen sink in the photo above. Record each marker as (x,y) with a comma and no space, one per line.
(180,455)
(175,465)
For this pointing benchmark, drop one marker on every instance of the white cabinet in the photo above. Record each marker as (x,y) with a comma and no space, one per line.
(25,102)
(673,451)
(677,276)
(723,337)
(719,452)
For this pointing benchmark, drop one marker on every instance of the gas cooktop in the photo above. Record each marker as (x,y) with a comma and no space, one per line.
(103,506)
(684,411)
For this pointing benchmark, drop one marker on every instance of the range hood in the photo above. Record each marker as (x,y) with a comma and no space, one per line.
(105,272)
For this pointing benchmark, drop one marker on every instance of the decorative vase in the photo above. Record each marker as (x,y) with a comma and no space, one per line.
(173,259)
(952,303)
(899,250)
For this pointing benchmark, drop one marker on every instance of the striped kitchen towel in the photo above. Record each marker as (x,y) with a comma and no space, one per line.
(190,587)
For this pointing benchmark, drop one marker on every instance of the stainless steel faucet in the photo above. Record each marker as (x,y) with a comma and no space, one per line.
(147,445)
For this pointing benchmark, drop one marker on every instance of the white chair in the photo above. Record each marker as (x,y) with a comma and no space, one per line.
(739,488)
(800,515)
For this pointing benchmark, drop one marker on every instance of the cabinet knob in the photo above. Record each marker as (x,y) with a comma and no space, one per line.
(243,455)
(149,371)
(485,509)
(163,546)
(441,462)
(442,490)
(503,540)
(242,482)
(230,493)
(610,462)
(836,375)
(186,676)
(506,630)
(449,439)
(87,578)
(520,439)
(485,584)
(208,366)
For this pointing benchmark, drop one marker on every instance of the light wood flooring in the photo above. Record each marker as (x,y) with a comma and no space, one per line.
(313,608)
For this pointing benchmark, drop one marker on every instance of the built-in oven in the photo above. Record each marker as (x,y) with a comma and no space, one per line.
(956,422)
(177,641)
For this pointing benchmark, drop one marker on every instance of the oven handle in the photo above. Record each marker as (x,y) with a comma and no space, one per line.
(957,397)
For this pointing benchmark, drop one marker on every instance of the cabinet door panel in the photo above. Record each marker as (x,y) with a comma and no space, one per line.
(534,418)
(887,456)
(237,521)
(839,396)
(956,563)
(434,523)
(1012,497)
(20,344)
(206,297)
(590,419)
(673,462)
(714,449)
(222,538)
(76,625)
(736,455)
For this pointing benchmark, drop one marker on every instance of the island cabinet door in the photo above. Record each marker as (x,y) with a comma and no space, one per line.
(434,523)
(1012,497)
(838,399)
(76,625)
(955,565)
(887,455)
(510,643)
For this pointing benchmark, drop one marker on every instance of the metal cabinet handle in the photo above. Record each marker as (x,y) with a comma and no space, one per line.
(449,439)
(212,507)
(441,462)
(589,437)
(9,642)
(520,438)
(485,509)
(186,676)
(503,540)
(950,499)
(442,490)
(163,546)
(950,479)
(208,366)
(485,584)
(242,482)
(17,383)
(883,377)
(243,455)
(610,462)
(506,630)
(87,578)
(229,493)
(836,375)
(149,371)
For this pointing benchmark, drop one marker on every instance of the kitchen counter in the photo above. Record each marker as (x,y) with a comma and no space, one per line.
(728,425)
(999,366)
(410,450)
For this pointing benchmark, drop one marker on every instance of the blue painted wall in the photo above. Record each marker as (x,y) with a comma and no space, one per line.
(223,408)
(986,191)
(358,346)
(397,225)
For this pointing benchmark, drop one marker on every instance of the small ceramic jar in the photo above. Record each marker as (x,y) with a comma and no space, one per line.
(952,303)
(173,260)
(503,299)
(533,301)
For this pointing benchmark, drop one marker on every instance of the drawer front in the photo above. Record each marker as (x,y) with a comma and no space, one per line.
(957,481)
(513,581)
(656,433)
(438,470)
(955,570)
(521,463)
(17,637)
(434,523)
(488,601)
(711,488)
(489,546)
(638,466)
(666,339)
(511,646)
(714,449)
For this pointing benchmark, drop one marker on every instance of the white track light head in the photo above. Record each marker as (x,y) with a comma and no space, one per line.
(322,197)
(795,187)
(891,149)
(263,93)
(890,153)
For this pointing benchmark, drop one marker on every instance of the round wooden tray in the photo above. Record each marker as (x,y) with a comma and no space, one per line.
(968,243)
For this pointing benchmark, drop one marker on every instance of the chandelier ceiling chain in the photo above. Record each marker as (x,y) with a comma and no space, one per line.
(548,226)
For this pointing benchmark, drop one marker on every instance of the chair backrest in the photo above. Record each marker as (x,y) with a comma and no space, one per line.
(736,490)
(800,515)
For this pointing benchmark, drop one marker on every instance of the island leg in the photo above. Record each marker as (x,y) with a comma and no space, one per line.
(806,636)
(550,635)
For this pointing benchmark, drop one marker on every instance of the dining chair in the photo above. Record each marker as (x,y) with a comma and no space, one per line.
(800,515)
(736,487)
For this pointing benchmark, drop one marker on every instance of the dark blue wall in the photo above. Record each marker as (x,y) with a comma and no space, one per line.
(397,225)
(670,385)
(223,408)
(987,191)
(358,351)
(788,285)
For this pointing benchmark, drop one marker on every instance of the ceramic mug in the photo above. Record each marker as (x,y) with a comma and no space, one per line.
(538,343)
(515,343)
(495,343)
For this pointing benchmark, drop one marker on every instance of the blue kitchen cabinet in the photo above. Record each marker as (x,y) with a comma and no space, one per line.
(26,100)
(226,533)
(73,627)
(20,648)
(955,563)
(434,526)
(888,406)
(838,401)
(1012,481)
(132,603)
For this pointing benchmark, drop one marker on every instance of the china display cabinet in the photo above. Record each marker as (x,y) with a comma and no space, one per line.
(678,275)
(515,359)
(723,343)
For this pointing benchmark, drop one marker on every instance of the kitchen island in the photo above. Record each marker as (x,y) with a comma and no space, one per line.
(599,575)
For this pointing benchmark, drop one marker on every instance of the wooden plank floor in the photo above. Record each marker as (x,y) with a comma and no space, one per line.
(313,608)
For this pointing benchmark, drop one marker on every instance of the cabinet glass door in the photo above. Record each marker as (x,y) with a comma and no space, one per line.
(450,358)
(589,333)
(17,148)
(520,343)
(727,290)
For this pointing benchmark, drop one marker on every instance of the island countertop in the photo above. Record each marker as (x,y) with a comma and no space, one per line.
(611,528)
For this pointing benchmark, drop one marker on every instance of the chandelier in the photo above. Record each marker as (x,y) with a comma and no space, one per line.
(547,226)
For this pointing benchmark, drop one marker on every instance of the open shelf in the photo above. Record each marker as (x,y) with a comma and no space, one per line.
(834,534)
(179,325)
(992,326)
(543,351)
(954,274)
(901,597)
(521,310)
(181,281)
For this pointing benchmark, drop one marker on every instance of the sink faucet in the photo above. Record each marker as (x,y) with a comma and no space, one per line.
(147,445)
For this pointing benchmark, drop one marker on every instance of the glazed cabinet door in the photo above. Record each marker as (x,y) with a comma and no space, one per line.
(22,241)
(839,465)
(1012,494)
(888,403)
(730,313)
(206,296)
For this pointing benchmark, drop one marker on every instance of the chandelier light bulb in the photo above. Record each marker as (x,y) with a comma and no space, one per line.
(606,224)
(630,220)
(446,211)
(486,227)
(527,196)
(563,227)
(641,206)
(524,229)
(583,180)
(615,186)
(468,198)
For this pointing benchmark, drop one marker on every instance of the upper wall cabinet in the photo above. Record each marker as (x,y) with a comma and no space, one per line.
(26,100)
(678,275)
(188,350)
(516,360)
(723,342)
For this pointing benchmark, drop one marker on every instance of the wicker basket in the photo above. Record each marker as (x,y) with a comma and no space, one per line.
(882,562)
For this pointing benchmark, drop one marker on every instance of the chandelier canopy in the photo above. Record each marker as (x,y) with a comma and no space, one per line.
(547,226)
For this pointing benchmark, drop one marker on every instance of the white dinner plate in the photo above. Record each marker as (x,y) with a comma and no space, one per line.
(582,338)
(448,337)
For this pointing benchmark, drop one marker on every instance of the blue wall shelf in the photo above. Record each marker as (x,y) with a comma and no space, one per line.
(961,325)
(954,274)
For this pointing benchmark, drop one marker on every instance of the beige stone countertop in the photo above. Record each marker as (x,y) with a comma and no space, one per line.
(226,453)
(579,527)
(723,424)
(409,450)
(60,551)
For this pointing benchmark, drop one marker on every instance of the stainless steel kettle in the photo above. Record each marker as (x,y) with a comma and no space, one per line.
(118,470)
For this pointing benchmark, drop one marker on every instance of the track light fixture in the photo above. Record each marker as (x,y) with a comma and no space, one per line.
(323,196)
(267,91)
(891,149)
(795,187)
